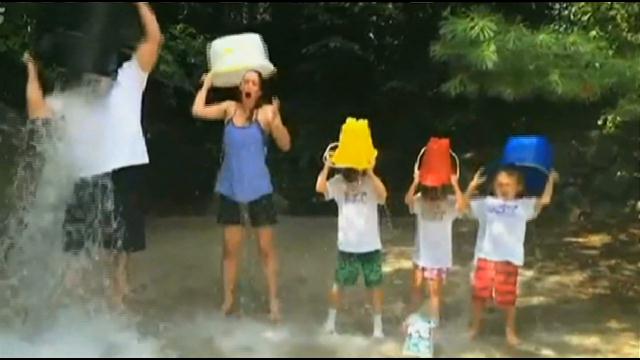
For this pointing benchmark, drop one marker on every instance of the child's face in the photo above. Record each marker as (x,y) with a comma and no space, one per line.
(507,186)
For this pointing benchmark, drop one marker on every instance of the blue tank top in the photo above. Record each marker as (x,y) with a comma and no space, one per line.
(244,175)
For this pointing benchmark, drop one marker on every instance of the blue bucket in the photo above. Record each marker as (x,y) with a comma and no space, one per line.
(533,156)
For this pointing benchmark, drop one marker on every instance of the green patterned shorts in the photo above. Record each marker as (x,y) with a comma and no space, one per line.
(350,265)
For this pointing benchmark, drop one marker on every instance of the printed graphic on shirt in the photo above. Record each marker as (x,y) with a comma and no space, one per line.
(503,209)
(357,197)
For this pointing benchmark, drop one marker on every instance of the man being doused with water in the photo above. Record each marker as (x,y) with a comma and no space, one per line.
(105,144)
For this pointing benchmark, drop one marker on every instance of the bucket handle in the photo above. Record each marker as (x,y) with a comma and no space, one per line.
(330,150)
(416,166)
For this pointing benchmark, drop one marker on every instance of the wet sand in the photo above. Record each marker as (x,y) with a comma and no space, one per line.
(566,308)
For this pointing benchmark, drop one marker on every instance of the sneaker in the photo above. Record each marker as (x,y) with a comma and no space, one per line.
(329,329)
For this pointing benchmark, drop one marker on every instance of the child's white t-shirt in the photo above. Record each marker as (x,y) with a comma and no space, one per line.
(358,227)
(505,224)
(434,221)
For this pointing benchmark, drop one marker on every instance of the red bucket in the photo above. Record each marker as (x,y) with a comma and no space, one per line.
(436,167)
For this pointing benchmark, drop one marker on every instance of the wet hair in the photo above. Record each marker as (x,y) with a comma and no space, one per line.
(351,175)
(433,193)
(515,174)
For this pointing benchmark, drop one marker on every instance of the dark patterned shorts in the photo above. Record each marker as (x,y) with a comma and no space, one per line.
(350,265)
(90,217)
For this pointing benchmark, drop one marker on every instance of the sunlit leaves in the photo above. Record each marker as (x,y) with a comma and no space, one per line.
(570,64)
(591,50)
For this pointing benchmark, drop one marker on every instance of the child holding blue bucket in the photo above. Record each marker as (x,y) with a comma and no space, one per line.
(500,248)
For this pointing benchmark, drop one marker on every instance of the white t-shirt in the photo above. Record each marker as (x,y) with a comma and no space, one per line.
(105,134)
(358,227)
(505,224)
(434,222)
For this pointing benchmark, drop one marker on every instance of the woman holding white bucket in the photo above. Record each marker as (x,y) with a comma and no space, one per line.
(244,180)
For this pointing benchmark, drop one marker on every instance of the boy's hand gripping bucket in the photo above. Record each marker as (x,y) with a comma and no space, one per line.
(230,57)
(434,163)
(533,156)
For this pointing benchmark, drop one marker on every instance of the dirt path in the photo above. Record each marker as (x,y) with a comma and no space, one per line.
(579,294)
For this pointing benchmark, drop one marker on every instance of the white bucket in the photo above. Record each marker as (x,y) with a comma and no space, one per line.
(230,57)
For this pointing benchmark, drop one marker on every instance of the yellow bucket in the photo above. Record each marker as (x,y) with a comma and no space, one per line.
(355,148)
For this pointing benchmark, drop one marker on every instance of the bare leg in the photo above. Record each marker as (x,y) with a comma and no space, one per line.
(478,310)
(335,297)
(120,278)
(512,336)
(435,291)
(72,279)
(270,264)
(417,292)
(233,237)
(377,299)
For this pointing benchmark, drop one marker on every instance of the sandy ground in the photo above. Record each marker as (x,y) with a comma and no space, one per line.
(579,296)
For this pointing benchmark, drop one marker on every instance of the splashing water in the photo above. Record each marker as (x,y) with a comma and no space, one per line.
(391,232)
(41,312)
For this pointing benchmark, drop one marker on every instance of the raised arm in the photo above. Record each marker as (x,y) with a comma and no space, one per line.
(148,50)
(460,198)
(278,130)
(378,186)
(409,198)
(36,105)
(478,179)
(545,199)
(322,185)
(202,111)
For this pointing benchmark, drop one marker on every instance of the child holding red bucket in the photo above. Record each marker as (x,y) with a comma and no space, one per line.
(435,212)
(500,248)
(357,194)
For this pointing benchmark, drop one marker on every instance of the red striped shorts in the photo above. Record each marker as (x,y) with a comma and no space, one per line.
(497,280)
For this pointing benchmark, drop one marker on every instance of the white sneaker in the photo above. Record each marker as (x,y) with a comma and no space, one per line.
(378,335)
(329,329)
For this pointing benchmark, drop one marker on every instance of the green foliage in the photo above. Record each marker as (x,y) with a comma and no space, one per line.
(615,21)
(183,56)
(589,51)
(15,27)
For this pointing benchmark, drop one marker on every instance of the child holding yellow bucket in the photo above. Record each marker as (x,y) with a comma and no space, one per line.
(357,191)
(435,212)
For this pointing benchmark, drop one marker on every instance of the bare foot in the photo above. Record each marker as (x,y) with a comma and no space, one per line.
(227,306)
(512,338)
(329,328)
(117,301)
(473,333)
(274,311)
(72,279)
(125,288)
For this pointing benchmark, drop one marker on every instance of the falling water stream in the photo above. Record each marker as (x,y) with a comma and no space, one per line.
(42,313)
